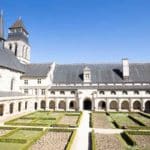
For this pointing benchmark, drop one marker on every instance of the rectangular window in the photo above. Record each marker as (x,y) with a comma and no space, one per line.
(38,81)
(25,81)
(26,91)
(42,91)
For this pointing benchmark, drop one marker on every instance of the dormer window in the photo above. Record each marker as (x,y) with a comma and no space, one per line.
(87,74)
(113,92)
(62,92)
(101,92)
(148,92)
(124,92)
(53,92)
(136,92)
(26,82)
(38,81)
(72,92)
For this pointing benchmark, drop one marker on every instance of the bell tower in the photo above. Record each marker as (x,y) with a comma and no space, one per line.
(18,41)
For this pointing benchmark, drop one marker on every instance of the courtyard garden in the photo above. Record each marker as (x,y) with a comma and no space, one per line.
(47,119)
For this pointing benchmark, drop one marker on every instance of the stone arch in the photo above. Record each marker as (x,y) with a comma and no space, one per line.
(1,109)
(52,105)
(72,105)
(102,105)
(114,105)
(43,104)
(125,105)
(11,108)
(62,105)
(137,105)
(35,105)
(147,106)
(19,106)
(87,104)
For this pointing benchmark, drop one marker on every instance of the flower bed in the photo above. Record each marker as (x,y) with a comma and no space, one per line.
(140,138)
(52,141)
(100,120)
(108,142)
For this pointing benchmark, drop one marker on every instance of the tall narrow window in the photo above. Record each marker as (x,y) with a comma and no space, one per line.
(12,84)
(16,49)
(10,46)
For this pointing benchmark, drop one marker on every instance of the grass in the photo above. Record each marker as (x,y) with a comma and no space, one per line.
(28,135)
(44,118)
(123,120)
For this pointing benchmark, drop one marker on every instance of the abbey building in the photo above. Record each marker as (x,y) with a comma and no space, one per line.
(26,87)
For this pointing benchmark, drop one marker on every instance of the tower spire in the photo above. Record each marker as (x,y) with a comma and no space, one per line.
(1,29)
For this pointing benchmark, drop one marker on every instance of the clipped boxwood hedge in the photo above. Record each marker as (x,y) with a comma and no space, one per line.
(21,141)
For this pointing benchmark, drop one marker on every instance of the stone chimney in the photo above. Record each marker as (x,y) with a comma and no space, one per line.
(126,72)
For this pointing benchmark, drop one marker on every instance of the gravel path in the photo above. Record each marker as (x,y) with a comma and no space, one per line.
(107,142)
(100,120)
(69,120)
(52,141)
(143,141)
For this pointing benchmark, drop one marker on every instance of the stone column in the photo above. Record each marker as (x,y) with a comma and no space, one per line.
(67,104)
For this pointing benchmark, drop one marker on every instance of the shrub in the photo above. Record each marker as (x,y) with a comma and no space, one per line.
(128,139)
(21,141)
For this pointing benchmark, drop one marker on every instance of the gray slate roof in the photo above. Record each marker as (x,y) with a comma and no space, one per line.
(9,94)
(9,60)
(101,73)
(36,70)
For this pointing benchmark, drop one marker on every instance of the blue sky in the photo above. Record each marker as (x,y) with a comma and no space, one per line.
(84,31)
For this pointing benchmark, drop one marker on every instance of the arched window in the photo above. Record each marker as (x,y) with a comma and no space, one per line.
(113,92)
(16,49)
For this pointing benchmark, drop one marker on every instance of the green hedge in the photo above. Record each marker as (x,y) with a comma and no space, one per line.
(128,139)
(145,115)
(79,119)
(91,120)
(21,141)
(27,124)
(61,125)
(71,140)
(135,132)
(93,140)
(136,120)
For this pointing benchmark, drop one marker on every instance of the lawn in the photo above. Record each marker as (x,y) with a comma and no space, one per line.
(47,118)
(123,120)
(19,138)
(145,120)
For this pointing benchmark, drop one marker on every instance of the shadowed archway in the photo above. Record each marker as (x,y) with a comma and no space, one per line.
(87,104)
